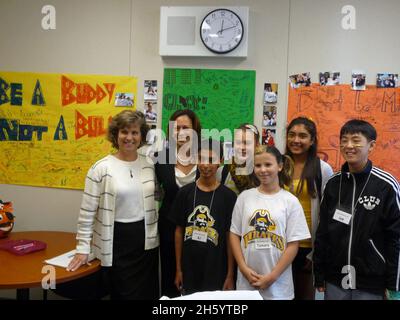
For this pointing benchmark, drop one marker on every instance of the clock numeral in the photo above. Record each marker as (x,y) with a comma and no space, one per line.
(237,22)
(206,40)
(212,44)
(222,13)
(213,15)
(239,31)
(237,40)
(229,45)
(208,21)
(220,48)
(204,30)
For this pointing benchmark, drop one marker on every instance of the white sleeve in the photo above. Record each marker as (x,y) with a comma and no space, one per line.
(237,216)
(296,226)
(326,173)
(88,210)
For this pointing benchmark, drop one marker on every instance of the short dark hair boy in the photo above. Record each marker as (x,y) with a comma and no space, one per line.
(357,248)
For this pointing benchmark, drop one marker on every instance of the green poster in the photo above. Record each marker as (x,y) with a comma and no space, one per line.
(221,98)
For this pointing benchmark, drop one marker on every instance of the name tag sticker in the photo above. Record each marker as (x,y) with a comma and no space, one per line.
(199,236)
(262,244)
(342,216)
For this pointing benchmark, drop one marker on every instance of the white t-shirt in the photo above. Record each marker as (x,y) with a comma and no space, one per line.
(266,224)
(129,205)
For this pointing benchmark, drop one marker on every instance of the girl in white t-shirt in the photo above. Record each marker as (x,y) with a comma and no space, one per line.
(267,224)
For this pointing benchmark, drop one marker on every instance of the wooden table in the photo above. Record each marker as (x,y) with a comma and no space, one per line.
(24,272)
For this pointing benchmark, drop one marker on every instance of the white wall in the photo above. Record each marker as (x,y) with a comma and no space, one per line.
(120,37)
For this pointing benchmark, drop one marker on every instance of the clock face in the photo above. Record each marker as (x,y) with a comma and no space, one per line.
(221,31)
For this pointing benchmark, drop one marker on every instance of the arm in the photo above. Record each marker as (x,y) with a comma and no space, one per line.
(178,257)
(391,233)
(87,214)
(229,281)
(286,259)
(249,273)
(320,244)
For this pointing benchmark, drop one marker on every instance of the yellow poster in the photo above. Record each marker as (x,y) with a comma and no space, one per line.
(52,126)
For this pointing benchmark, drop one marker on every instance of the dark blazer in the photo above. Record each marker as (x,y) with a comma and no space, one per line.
(165,174)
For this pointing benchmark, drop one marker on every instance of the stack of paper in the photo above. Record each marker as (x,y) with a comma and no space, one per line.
(63,260)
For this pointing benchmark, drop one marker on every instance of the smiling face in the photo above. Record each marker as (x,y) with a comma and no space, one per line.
(129,139)
(209,163)
(267,168)
(183,130)
(244,144)
(299,140)
(355,149)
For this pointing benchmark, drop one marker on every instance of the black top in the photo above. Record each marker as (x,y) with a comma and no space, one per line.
(370,240)
(204,264)
(165,173)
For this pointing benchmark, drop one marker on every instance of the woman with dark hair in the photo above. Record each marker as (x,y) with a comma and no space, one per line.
(118,216)
(175,167)
(309,178)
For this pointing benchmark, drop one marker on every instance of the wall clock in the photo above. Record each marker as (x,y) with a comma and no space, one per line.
(221,31)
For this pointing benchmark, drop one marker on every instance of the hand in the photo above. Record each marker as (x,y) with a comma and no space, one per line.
(78,260)
(251,275)
(264,282)
(179,280)
(229,283)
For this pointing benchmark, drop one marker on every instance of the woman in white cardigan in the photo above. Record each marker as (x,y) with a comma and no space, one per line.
(118,216)
(309,177)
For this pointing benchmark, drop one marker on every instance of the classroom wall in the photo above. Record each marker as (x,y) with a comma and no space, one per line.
(120,37)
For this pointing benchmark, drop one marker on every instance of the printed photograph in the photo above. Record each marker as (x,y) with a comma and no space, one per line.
(268,136)
(150,111)
(124,100)
(329,78)
(300,80)
(150,89)
(270,92)
(358,80)
(387,80)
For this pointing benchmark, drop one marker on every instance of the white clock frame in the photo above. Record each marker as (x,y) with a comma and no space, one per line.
(185,23)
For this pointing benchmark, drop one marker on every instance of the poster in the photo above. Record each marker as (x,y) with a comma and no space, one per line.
(331,106)
(52,126)
(223,99)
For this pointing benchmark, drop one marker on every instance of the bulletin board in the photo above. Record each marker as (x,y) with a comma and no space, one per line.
(331,106)
(221,98)
(53,126)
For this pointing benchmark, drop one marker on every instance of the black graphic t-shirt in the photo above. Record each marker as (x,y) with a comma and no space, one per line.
(204,253)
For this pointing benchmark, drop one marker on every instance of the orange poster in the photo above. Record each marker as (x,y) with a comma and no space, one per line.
(331,106)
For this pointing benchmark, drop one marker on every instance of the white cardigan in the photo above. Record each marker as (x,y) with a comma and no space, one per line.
(96,217)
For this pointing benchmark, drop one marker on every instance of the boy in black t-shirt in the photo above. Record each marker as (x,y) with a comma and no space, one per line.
(202,213)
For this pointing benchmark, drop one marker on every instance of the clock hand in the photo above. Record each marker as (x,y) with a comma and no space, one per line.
(222,27)
(227,29)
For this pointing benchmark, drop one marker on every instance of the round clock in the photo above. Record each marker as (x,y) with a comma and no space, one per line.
(221,31)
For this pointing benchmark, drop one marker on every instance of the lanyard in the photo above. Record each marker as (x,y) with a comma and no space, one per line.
(194,198)
(362,190)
